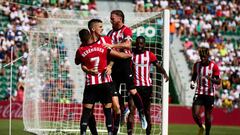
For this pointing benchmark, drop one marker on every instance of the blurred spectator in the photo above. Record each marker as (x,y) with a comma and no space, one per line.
(187,44)
(204,42)
(163,3)
(22,71)
(139,6)
(172,31)
(148,6)
(20,94)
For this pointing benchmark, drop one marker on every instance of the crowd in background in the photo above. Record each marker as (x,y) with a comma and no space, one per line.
(55,70)
(211,23)
(17,21)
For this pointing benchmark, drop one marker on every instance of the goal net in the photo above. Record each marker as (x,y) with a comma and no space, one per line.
(54,84)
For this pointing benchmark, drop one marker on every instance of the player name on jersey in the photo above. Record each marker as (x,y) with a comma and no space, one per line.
(94,49)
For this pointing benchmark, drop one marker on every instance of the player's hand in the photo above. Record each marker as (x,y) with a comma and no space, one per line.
(108,45)
(108,70)
(166,77)
(93,71)
(193,85)
(206,77)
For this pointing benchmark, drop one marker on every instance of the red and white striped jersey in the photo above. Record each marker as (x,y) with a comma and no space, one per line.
(205,86)
(104,39)
(94,56)
(120,35)
(141,68)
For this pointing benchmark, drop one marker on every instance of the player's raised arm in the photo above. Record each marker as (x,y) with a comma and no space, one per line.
(127,44)
(121,55)
(127,41)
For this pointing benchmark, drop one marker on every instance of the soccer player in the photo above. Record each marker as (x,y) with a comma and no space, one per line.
(206,74)
(95,27)
(141,61)
(121,37)
(98,83)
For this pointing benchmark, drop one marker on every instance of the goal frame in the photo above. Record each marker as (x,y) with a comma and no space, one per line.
(165,90)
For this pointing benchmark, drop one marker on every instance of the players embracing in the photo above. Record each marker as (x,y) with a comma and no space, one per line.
(98,83)
(119,39)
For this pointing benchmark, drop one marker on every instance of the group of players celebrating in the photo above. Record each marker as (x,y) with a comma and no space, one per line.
(109,61)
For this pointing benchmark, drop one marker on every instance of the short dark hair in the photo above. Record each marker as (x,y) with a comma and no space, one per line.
(119,13)
(141,37)
(84,35)
(203,51)
(92,22)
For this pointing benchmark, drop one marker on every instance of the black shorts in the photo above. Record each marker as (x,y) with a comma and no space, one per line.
(205,100)
(145,92)
(114,91)
(96,93)
(122,73)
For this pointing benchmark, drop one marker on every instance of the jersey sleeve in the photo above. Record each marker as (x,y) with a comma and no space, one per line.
(108,39)
(216,71)
(153,57)
(127,34)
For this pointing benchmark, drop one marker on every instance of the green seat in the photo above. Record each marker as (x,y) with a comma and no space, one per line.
(183,38)
(3,93)
(4,86)
(7,71)
(222,32)
(233,40)
(238,32)
(53,2)
(229,33)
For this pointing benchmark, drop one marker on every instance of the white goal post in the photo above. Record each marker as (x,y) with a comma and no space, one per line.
(54,84)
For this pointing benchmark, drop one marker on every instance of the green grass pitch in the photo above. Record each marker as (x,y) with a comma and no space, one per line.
(17,129)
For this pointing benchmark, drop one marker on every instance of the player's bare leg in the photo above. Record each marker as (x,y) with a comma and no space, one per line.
(130,119)
(147,106)
(208,111)
(124,110)
(197,118)
(139,104)
(116,114)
